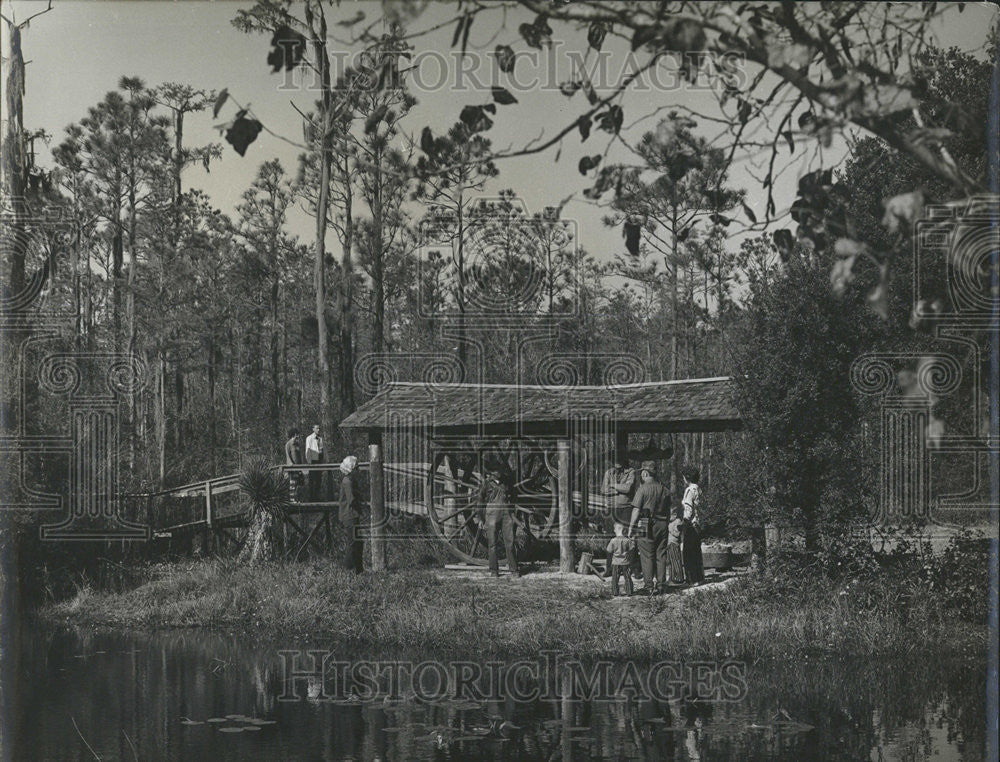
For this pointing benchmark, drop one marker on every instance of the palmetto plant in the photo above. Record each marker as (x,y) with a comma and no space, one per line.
(268,493)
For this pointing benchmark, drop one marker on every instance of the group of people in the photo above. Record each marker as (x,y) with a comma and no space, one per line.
(313,453)
(668,539)
(349,506)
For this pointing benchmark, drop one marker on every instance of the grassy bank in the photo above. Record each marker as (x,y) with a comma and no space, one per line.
(432,612)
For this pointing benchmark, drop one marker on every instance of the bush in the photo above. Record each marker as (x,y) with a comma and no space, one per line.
(886,583)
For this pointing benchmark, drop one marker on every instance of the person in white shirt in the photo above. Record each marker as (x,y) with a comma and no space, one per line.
(315,454)
(694,570)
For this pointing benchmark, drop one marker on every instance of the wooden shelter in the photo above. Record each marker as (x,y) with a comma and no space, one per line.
(538,431)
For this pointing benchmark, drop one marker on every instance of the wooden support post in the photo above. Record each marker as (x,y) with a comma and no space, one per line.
(565,509)
(206,539)
(376,482)
(772,539)
(621,445)
(208,503)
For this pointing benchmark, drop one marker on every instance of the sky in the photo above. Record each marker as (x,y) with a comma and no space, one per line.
(79,50)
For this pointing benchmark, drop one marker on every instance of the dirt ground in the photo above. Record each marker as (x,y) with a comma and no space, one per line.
(547,581)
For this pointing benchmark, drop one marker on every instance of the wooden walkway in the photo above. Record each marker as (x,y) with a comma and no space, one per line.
(221,515)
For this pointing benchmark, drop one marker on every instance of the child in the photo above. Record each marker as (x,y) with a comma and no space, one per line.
(621,549)
(674,559)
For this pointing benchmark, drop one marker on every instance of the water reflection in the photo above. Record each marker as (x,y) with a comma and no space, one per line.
(197,695)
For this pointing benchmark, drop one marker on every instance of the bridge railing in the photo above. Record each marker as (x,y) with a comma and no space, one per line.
(210,509)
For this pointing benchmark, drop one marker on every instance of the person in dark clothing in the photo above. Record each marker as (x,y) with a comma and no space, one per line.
(675,560)
(348,517)
(498,509)
(651,523)
(293,457)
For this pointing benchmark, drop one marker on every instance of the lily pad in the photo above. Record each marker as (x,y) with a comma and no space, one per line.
(231,730)
(216,719)
(256,728)
(186,721)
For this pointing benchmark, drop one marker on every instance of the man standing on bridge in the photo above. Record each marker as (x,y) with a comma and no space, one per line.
(315,454)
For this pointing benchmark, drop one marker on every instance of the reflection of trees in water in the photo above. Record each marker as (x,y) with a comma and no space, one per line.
(146,685)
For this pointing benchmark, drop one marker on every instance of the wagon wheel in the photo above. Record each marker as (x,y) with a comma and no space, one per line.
(452,514)
(457,518)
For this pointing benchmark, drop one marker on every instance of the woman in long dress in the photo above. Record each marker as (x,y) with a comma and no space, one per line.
(694,570)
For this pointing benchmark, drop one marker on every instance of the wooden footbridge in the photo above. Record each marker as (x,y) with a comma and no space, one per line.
(211,514)
(554,443)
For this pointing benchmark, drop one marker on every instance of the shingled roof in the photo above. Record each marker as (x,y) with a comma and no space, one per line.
(697,404)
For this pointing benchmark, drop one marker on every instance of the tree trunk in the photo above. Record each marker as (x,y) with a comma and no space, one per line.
(673,300)
(14,163)
(275,361)
(211,404)
(378,278)
(259,545)
(460,293)
(346,302)
(319,37)
(160,413)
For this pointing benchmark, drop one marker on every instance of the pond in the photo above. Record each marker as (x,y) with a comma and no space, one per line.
(77,695)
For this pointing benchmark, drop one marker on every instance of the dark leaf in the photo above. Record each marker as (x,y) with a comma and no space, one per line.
(541,24)
(531,35)
(631,232)
(816,183)
(588,90)
(503,96)
(749,212)
(242,133)
(684,36)
(220,101)
(744,110)
(719,219)
(505,58)
(596,34)
(785,242)
(474,117)
(371,123)
(588,162)
(801,211)
(643,35)
(583,123)
(427,141)
(358,18)
(288,48)
(490,107)
(611,120)
(791,142)
(807,120)
(679,166)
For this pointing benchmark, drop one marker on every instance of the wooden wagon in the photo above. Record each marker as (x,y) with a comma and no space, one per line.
(553,443)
